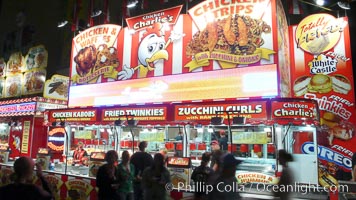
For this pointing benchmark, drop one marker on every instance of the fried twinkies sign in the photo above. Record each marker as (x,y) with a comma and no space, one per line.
(88,115)
(298,110)
(256,110)
(167,16)
(318,33)
(142,114)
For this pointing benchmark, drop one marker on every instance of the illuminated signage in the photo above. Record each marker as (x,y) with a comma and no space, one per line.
(244,82)
(256,110)
(21,107)
(73,115)
(169,16)
(42,106)
(56,139)
(255,177)
(142,114)
(319,32)
(292,109)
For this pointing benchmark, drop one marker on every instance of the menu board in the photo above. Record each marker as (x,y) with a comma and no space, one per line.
(250,137)
(322,70)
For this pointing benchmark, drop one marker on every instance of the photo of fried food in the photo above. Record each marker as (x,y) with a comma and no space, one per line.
(236,34)
(341,84)
(85,60)
(301,85)
(337,128)
(177,180)
(106,56)
(59,87)
(13,89)
(320,83)
(15,63)
(2,66)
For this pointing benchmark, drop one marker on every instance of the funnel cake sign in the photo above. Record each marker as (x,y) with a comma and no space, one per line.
(230,32)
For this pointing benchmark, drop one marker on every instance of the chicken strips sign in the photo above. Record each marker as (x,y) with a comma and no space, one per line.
(231,32)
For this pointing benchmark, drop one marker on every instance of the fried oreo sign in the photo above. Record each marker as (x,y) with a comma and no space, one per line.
(318,33)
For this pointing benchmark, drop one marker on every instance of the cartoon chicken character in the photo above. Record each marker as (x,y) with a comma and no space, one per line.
(16,142)
(152,49)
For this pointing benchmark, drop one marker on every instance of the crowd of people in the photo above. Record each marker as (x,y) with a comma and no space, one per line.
(141,177)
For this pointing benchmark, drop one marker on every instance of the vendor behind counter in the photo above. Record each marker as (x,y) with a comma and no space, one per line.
(80,155)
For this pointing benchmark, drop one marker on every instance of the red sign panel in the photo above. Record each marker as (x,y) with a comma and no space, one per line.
(290,109)
(77,115)
(168,16)
(142,114)
(256,110)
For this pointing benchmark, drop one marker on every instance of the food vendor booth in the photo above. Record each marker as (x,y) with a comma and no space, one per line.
(256,129)
(177,73)
(22,125)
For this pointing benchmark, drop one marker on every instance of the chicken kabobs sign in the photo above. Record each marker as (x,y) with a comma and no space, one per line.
(231,32)
(95,56)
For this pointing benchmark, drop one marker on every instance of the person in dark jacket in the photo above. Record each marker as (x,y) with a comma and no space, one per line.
(216,154)
(286,178)
(201,175)
(224,181)
(353,169)
(223,141)
(155,179)
(141,160)
(23,187)
(107,177)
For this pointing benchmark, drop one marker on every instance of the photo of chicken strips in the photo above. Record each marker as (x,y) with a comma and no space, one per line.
(235,34)
(209,36)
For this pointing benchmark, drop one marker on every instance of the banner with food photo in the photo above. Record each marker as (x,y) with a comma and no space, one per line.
(36,57)
(56,87)
(94,56)
(321,69)
(2,67)
(232,34)
(33,81)
(2,86)
(13,84)
(15,64)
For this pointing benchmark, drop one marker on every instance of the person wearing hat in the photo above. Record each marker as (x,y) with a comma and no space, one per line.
(79,155)
(216,154)
(179,137)
(286,178)
(200,176)
(226,179)
(223,141)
